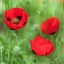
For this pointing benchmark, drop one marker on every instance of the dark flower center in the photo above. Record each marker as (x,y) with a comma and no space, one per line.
(19,17)
(8,19)
(15,21)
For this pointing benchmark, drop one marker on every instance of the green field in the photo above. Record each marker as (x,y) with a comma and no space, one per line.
(15,45)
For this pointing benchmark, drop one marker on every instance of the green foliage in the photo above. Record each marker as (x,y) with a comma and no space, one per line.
(15,46)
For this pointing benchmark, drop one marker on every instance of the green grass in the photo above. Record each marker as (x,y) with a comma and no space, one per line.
(15,46)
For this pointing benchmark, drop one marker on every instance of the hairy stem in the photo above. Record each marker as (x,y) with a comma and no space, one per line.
(1,55)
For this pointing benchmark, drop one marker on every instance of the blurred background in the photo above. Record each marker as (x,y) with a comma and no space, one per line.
(38,11)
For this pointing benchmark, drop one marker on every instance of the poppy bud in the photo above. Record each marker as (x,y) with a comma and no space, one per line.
(16,49)
(36,28)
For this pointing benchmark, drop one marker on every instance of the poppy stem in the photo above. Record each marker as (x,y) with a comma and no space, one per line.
(9,50)
(12,58)
(62,29)
(9,47)
(1,55)
(16,45)
(47,17)
(7,4)
(17,38)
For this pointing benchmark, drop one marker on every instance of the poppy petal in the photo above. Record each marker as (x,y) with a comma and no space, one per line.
(50,25)
(41,46)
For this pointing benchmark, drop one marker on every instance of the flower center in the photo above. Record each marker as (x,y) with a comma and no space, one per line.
(15,21)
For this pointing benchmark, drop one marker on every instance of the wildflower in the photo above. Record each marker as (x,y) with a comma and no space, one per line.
(15,18)
(41,46)
(50,25)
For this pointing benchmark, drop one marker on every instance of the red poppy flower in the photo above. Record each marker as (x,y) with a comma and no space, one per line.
(50,25)
(16,18)
(41,46)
